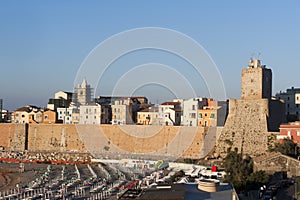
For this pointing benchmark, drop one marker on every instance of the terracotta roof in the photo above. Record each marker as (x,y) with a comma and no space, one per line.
(23,109)
(151,109)
(272,155)
(170,103)
(266,157)
(176,109)
(28,108)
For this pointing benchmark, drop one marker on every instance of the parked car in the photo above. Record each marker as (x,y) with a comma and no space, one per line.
(274,188)
(268,195)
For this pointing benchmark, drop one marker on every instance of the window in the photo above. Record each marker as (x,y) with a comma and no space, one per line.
(205,114)
(86,117)
(252,80)
(86,110)
(23,115)
(200,115)
(212,115)
(193,115)
(95,117)
(193,107)
(298,133)
(46,116)
(288,98)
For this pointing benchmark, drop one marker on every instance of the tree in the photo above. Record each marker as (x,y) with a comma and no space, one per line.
(239,170)
(256,179)
(287,147)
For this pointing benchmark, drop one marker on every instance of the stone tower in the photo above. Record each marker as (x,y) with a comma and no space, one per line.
(83,93)
(251,118)
(256,81)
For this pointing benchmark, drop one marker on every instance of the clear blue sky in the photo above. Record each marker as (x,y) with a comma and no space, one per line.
(43,43)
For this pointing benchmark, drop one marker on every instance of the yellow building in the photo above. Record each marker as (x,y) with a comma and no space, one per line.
(28,114)
(214,114)
(207,117)
(148,116)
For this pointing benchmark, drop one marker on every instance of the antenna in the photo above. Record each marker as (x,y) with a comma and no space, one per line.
(259,55)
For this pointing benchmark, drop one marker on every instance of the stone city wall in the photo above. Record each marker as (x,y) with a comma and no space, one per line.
(173,141)
(12,136)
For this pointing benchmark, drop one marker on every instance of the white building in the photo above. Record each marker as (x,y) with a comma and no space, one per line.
(190,110)
(292,101)
(61,100)
(68,115)
(297,98)
(122,111)
(170,113)
(90,114)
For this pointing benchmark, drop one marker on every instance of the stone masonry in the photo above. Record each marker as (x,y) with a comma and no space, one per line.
(246,128)
(251,118)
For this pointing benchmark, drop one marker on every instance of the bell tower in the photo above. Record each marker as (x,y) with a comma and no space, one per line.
(83,93)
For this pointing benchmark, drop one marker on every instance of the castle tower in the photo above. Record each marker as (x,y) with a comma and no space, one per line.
(252,118)
(83,93)
(256,81)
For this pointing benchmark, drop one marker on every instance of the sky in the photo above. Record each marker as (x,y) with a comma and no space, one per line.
(44,46)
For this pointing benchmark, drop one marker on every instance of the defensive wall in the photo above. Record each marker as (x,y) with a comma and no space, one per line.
(250,126)
(111,140)
(246,128)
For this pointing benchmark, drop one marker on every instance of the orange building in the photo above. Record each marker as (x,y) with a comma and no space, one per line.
(214,114)
(207,117)
(49,117)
